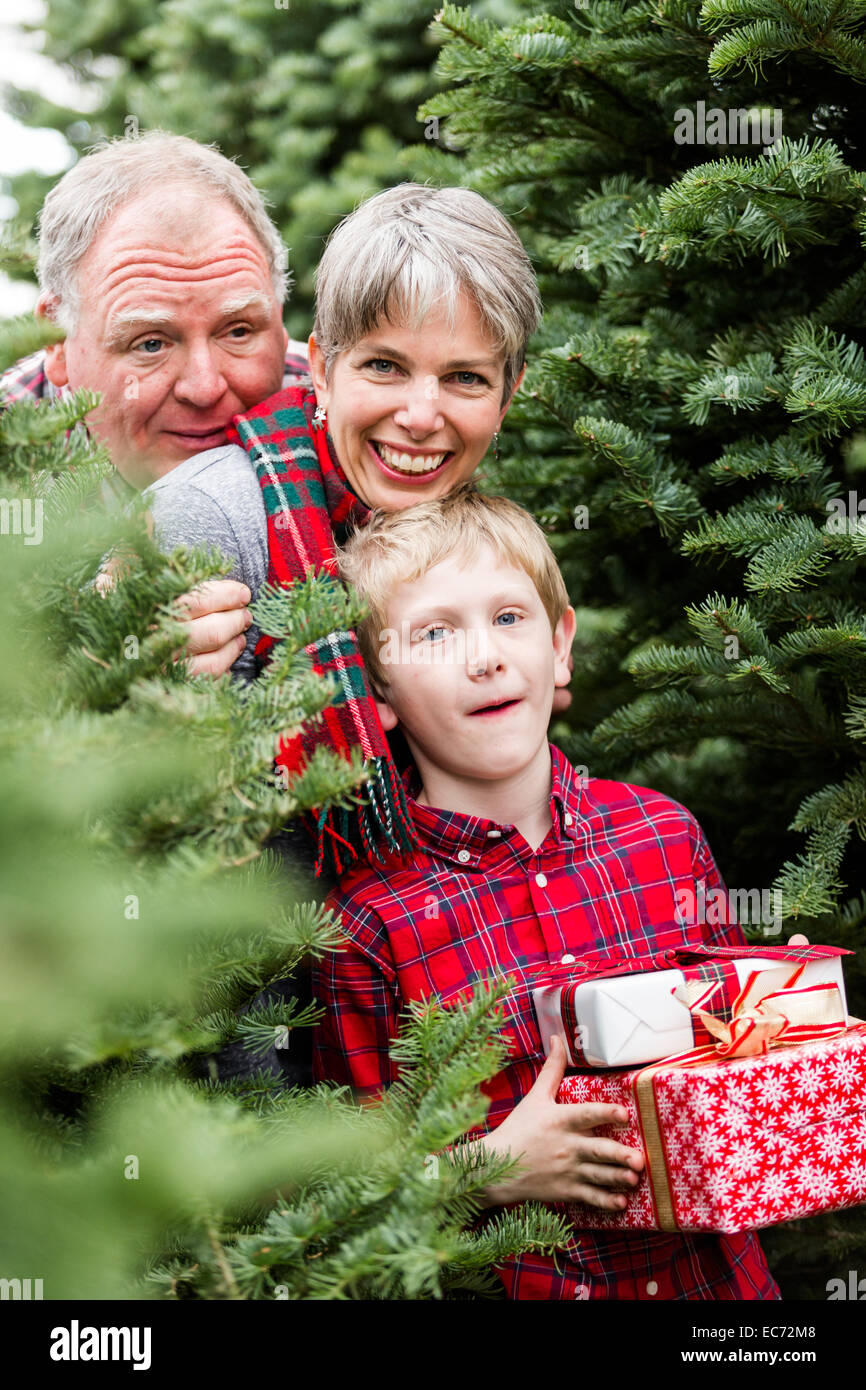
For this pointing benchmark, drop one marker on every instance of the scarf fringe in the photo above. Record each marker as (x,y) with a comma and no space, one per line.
(383,821)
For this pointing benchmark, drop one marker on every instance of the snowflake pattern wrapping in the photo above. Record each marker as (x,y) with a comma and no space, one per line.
(744,1143)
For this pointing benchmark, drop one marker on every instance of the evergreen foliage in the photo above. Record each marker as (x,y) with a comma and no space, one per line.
(691,433)
(314,98)
(692,426)
(143,917)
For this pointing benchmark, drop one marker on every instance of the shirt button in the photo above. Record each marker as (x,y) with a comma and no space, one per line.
(652,1288)
(541,880)
(494,834)
(569,818)
(567,960)
(464,856)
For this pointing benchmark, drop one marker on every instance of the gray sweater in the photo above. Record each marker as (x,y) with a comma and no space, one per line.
(213,499)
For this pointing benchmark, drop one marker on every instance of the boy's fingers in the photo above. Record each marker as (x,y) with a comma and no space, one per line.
(608,1151)
(590,1114)
(548,1079)
(598,1197)
(609,1175)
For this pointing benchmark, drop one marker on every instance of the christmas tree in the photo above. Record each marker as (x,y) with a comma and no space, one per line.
(144,922)
(315,98)
(691,428)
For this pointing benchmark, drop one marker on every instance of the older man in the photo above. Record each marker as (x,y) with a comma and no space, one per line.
(158,259)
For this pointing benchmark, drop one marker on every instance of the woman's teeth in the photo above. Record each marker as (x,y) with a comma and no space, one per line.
(410,463)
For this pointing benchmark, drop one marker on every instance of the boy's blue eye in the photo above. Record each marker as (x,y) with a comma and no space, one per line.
(431,634)
(508,619)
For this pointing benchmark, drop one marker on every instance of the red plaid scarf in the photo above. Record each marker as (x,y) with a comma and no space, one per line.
(305,495)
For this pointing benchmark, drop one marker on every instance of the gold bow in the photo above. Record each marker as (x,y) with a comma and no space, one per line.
(770,1011)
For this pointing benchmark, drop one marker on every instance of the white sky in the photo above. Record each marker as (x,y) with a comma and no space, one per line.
(22,65)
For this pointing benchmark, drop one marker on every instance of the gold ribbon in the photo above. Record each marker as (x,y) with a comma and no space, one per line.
(768,1012)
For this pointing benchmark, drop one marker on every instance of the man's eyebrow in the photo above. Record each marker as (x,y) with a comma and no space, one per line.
(257,300)
(122,324)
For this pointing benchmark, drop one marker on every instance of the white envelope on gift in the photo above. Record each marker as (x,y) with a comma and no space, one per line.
(629,1019)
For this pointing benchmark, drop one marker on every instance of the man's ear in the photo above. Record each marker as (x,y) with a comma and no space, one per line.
(317,371)
(55,353)
(563,637)
(504,411)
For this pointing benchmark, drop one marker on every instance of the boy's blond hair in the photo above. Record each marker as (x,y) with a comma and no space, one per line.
(396,548)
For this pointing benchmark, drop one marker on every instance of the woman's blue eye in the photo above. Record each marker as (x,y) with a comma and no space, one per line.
(473,378)
(509,619)
(378,362)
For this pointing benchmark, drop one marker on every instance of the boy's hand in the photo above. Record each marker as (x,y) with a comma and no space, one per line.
(561,1160)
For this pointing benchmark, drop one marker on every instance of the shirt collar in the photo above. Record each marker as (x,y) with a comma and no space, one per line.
(464,839)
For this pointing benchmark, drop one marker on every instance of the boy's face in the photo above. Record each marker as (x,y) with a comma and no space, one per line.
(471,663)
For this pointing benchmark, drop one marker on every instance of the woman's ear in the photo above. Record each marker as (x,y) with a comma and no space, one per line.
(317,371)
(563,637)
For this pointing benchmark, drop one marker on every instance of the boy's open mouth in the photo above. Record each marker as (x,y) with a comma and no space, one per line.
(498,708)
(402,464)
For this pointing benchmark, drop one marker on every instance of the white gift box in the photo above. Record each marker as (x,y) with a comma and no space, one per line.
(628,1019)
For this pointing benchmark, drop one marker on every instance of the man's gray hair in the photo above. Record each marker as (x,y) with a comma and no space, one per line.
(411,248)
(112,174)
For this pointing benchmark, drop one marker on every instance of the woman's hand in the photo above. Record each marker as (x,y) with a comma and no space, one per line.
(561,1160)
(218,621)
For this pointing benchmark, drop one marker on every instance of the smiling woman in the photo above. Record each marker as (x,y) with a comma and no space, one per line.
(425,301)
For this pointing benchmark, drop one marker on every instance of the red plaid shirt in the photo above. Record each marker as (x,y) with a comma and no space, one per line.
(475,900)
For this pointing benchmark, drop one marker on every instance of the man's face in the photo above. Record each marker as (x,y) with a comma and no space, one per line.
(471,667)
(412,411)
(179,329)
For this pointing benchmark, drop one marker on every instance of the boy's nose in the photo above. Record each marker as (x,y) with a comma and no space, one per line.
(482,657)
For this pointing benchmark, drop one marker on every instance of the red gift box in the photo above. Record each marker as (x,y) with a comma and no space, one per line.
(737,1143)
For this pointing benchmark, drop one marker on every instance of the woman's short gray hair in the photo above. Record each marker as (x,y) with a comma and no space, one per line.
(413,247)
(110,176)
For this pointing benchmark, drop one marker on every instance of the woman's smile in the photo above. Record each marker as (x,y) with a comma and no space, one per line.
(404,461)
(412,409)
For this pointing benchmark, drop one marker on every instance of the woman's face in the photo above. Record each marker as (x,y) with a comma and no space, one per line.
(412,411)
